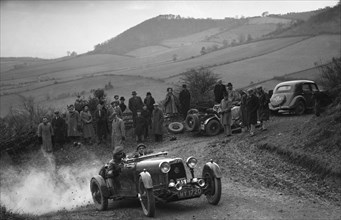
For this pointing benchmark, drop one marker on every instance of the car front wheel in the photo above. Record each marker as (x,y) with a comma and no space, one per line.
(101,202)
(212,128)
(147,199)
(213,192)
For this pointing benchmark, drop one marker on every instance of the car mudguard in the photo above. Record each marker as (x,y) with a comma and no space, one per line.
(215,168)
(103,185)
(294,101)
(147,179)
(210,118)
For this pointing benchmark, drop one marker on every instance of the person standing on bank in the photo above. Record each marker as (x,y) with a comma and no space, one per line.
(263,110)
(226,117)
(171,103)
(88,129)
(101,123)
(234,96)
(157,123)
(146,114)
(58,126)
(252,107)
(149,102)
(117,131)
(219,91)
(123,106)
(73,121)
(135,104)
(243,111)
(185,100)
(45,133)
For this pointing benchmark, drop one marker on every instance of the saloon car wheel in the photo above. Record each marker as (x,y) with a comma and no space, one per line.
(300,108)
(176,127)
(147,199)
(100,201)
(212,128)
(192,122)
(213,192)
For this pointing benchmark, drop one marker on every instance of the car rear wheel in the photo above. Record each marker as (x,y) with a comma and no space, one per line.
(213,193)
(192,122)
(147,199)
(101,202)
(300,108)
(212,128)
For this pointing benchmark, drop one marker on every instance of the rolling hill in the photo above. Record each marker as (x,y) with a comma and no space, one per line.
(157,63)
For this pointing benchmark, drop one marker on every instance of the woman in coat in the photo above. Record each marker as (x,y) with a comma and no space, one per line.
(171,102)
(88,129)
(157,123)
(45,133)
(226,114)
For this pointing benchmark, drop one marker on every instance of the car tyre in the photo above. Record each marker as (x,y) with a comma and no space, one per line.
(147,200)
(213,194)
(192,122)
(212,128)
(300,108)
(192,111)
(101,202)
(176,127)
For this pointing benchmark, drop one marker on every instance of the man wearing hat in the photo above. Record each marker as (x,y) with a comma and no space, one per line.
(117,131)
(185,100)
(141,150)
(123,106)
(73,121)
(135,104)
(45,133)
(113,169)
(59,129)
(252,107)
(234,96)
(157,123)
(219,91)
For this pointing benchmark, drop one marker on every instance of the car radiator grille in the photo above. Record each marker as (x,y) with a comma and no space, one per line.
(177,171)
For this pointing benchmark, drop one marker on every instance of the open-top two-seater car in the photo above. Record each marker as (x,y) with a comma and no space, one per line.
(158,178)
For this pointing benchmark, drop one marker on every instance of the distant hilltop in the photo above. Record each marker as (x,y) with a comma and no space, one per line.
(163,27)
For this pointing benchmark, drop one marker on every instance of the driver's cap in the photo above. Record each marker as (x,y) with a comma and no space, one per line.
(141,146)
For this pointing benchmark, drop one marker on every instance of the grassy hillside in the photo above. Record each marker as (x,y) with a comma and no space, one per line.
(155,30)
(326,21)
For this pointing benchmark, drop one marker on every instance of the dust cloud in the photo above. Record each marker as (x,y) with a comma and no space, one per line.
(47,188)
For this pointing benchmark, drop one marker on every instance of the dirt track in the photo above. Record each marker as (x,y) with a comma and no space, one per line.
(256,184)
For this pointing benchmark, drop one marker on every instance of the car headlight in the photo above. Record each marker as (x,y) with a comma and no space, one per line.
(191,162)
(164,167)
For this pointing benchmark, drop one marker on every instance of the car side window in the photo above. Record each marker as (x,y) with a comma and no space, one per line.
(306,88)
(314,87)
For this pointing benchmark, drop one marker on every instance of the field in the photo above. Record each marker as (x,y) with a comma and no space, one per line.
(56,82)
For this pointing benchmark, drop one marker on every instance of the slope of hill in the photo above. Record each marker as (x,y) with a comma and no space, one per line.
(326,21)
(153,31)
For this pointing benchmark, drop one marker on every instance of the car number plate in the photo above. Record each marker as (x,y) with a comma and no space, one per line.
(189,193)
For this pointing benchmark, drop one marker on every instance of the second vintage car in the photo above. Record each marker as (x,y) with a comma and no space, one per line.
(157,178)
(295,96)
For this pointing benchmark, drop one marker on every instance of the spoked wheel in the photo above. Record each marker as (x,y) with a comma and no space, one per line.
(101,202)
(147,199)
(212,128)
(213,193)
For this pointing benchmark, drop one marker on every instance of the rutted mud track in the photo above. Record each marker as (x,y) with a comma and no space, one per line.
(256,183)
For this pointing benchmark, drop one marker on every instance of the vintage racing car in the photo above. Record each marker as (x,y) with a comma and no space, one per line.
(156,177)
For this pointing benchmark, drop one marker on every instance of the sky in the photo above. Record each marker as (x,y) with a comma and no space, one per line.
(50,28)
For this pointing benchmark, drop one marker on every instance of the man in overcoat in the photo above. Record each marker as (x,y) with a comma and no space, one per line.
(157,123)
(252,107)
(185,100)
(135,104)
(219,91)
(58,126)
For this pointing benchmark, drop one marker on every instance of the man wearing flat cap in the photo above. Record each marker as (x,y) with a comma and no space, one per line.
(135,104)
(59,129)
